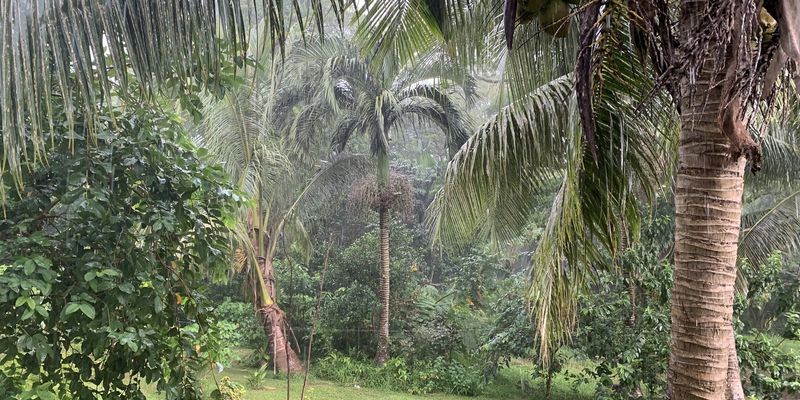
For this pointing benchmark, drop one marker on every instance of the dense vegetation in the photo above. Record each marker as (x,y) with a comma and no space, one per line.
(491,199)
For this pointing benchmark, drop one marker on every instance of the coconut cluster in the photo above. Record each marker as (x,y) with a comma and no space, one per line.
(553,15)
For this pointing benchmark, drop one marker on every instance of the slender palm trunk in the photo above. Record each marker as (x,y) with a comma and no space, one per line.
(383,329)
(708,204)
(266,307)
(273,321)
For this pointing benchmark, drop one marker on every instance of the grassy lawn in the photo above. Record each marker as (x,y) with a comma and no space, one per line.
(787,345)
(513,383)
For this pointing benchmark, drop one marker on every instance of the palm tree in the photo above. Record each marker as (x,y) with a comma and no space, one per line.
(378,105)
(244,132)
(694,58)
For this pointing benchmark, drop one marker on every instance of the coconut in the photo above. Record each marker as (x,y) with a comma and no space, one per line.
(532,6)
(555,18)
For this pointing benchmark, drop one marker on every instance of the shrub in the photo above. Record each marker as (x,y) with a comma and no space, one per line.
(438,375)
(228,390)
(215,344)
(247,329)
(96,309)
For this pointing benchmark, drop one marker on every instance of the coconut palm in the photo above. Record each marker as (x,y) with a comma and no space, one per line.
(698,59)
(378,105)
(244,132)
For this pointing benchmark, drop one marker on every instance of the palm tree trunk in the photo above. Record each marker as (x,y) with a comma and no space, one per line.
(708,204)
(383,329)
(273,322)
(734,390)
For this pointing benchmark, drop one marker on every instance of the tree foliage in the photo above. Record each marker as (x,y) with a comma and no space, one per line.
(103,257)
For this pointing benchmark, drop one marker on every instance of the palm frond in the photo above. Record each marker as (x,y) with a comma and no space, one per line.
(238,139)
(397,30)
(489,180)
(329,182)
(54,51)
(762,220)
(442,111)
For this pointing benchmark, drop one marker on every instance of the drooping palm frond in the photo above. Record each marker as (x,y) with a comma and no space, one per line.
(489,181)
(631,162)
(52,49)
(235,136)
(398,30)
(770,223)
(780,166)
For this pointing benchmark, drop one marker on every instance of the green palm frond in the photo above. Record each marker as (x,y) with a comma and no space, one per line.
(763,219)
(235,135)
(329,182)
(633,160)
(397,30)
(54,51)
(781,152)
(489,181)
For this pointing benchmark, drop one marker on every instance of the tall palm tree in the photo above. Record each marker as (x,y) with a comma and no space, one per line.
(244,132)
(701,59)
(378,105)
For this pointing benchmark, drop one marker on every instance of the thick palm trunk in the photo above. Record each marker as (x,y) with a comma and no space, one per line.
(383,329)
(274,324)
(708,203)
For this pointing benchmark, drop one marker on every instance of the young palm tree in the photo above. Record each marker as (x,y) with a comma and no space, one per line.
(243,131)
(377,105)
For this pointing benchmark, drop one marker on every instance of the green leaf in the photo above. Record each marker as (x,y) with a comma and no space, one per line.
(27,314)
(109,272)
(89,276)
(29,267)
(71,308)
(87,310)
(21,300)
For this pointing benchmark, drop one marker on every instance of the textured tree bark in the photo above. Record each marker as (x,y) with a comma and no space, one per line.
(708,203)
(734,390)
(273,320)
(383,329)
(267,310)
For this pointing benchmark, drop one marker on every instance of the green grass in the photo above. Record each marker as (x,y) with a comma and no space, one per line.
(513,383)
(787,345)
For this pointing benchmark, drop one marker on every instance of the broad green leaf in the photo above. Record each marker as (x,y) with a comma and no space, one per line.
(71,308)
(87,310)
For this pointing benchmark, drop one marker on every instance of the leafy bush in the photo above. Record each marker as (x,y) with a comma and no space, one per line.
(774,296)
(228,390)
(215,344)
(438,375)
(98,310)
(247,331)
(257,379)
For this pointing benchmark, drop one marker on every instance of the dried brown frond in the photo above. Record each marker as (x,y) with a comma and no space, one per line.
(398,196)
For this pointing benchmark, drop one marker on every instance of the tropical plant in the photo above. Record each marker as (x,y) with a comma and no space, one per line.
(102,259)
(244,132)
(92,49)
(377,105)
